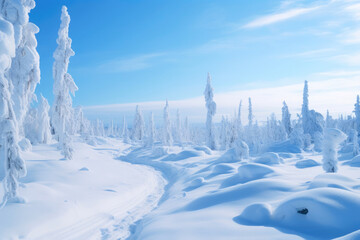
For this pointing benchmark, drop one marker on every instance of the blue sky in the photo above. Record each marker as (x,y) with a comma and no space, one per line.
(141,51)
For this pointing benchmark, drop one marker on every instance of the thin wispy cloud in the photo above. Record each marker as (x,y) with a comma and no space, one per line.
(313,53)
(324,95)
(131,64)
(279,17)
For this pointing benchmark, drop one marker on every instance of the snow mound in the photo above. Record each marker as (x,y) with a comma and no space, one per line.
(331,212)
(320,213)
(285,146)
(204,149)
(182,155)
(229,156)
(352,236)
(286,155)
(333,180)
(221,168)
(246,173)
(256,214)
(355,162)
(306,163)
(196,183)
(260,188)
(269,158)
(159,152)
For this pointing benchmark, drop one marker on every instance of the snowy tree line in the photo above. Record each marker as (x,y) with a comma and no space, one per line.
(22,124)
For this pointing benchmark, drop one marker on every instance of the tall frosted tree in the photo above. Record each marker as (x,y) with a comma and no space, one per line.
(211,110)
(356,149)
(138,126)
(305,108)
(286,118)
(357,114)
(125,132)
(167,137)
(63,86)
(25,67)
(178,128)
(332,139)
(251,116)
(14,165)
(151,131)
(43,121)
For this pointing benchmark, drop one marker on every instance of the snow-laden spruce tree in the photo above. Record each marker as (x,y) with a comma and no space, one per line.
(43,121)
(332,139)
(63,86)
(138,126)
(241,149)
(286,118)
(186,130)
(305,108)
(14,164)
(151,131)
(178,128)
(211,110)
(125,132)
(356,150)
(25,67)
(250,116)
(167,137)
(239,126)
(357,114)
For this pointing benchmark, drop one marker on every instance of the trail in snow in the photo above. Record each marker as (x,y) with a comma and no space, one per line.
(93,196)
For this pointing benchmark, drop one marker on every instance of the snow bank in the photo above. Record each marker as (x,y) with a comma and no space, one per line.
(285,146)
(355,162)
(221,168)
(334,180)
(262,187)
(269,158)
(306,163)
(248,172)
(320,213)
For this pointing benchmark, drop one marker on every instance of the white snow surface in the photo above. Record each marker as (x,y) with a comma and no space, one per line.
(115,190)
(88,197)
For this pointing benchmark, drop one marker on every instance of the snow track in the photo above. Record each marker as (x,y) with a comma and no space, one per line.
(114,222)
(105,210)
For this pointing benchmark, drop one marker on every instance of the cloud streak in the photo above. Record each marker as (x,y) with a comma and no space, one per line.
(130,64)
(279,17)
(324,95)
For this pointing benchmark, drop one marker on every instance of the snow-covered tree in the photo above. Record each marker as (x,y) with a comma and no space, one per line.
(211,110)
(356,150)
(63,85)
(151,131)
(43,121)
(125,132)
(25,67)
(241,149)
(178,128)
(138,133)
(239,122)
(286,118)
(357,114)
(333,137)
(251,116)
(305,108)
(14,165)
(167,137)
(186,130)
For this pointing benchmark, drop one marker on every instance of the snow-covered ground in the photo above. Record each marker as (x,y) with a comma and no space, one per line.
(84,198)
(112,190)
(211,195)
